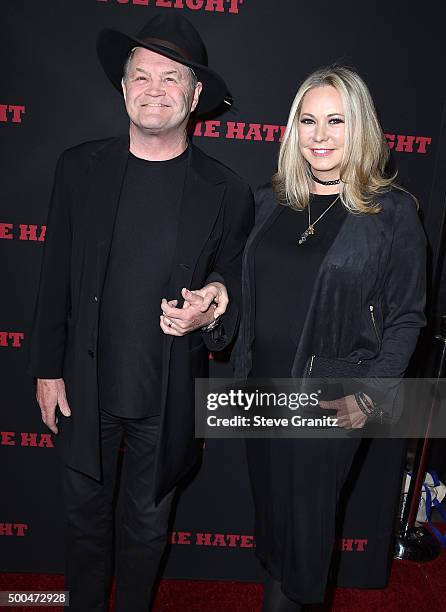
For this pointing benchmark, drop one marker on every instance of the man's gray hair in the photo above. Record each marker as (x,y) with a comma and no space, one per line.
(125,70)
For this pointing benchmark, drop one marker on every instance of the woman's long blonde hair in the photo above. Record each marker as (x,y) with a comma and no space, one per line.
(365,154)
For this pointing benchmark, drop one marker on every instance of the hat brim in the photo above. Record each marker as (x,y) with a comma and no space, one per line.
(113,48)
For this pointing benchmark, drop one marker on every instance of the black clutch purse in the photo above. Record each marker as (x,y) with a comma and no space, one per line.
(326,367)
(325,374)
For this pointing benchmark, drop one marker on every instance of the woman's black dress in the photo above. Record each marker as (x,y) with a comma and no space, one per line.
(295,482)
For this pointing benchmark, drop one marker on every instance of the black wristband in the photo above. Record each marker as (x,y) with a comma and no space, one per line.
(368,407)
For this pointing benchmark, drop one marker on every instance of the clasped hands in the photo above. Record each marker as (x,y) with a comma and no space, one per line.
(200,308)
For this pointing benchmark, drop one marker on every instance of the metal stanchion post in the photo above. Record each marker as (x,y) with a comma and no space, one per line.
(413,542)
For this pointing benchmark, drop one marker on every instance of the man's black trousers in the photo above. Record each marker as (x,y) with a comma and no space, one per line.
(89,521)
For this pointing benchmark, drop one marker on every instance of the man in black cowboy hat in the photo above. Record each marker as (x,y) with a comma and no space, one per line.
(135,222)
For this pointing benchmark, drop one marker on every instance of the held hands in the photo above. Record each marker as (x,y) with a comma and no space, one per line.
(50,394)
(200,308)
(349,415)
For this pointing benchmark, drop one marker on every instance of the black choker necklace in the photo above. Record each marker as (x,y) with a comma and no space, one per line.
(318,180)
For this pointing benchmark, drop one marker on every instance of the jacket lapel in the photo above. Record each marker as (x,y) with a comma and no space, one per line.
(203,193)
(108,168)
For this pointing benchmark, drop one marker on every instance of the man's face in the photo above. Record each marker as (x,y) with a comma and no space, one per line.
(158,93)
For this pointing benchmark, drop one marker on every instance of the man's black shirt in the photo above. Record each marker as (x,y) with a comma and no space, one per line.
(130,338)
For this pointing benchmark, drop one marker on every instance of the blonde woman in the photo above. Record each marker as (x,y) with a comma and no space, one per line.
(334,273)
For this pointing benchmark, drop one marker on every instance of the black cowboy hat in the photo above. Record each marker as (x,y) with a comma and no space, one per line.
(174,37)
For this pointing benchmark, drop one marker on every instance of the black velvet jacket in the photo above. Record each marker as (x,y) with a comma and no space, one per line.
(369,296)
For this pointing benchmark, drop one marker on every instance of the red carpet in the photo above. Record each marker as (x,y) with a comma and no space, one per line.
(413,587)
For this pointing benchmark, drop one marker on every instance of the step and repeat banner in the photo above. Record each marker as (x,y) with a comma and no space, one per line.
(55,95)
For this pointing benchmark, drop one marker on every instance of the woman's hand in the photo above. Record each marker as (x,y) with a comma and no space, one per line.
(212,293)
(349,414)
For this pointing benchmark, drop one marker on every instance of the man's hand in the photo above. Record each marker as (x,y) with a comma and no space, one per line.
(349,415)
(50,394)
(198,309)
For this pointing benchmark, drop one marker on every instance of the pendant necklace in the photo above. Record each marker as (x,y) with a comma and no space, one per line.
(310,229)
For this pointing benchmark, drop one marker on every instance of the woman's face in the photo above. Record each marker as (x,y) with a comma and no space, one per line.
(321,131)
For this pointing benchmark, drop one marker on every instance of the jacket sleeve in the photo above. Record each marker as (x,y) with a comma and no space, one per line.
(403,302)
(237,224)
(404,293)
(48,332)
